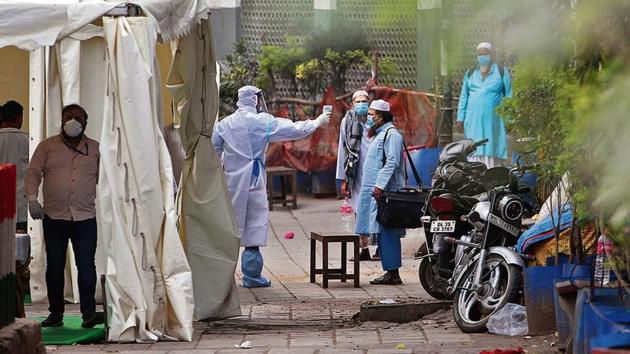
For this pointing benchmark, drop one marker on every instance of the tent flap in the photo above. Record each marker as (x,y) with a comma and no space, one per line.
(148,277)
(209,229)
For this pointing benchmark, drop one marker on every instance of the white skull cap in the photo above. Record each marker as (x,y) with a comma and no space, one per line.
(380,105)
(484,45)
(360,93)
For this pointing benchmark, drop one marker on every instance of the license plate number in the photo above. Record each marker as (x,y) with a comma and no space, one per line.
(443,226)
(502,224)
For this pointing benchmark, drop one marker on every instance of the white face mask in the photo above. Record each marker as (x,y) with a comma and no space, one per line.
(73,128)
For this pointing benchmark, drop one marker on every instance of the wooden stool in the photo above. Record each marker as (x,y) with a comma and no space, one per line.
(288,176)
(340,273)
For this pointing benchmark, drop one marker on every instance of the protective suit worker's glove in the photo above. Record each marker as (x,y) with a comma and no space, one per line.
(36,210)
(323,119)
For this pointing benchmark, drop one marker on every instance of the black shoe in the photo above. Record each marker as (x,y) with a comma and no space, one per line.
(388,278)
(53,320)
(92,320)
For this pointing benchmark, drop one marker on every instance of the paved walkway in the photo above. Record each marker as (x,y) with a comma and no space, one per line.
(295,316)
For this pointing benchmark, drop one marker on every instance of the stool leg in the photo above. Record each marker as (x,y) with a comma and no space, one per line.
(270,191)
(283,188)
(294,189)
(357,271)
(325,263)
(344,260)
(313,255)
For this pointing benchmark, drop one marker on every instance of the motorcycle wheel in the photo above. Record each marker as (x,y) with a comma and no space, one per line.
(501,283)
(431,280)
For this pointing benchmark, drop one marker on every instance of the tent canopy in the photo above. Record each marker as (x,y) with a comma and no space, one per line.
(30,24)
(152,298)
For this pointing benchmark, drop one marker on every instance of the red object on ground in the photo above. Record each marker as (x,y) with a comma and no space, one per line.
(414,115)
(289,235)
(503,351)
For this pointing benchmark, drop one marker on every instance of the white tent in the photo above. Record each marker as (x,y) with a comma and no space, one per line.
(108,64)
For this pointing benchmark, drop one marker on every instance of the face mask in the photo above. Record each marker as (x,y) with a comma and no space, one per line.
(484,60)
(73,128)
(361,108)
(370,121)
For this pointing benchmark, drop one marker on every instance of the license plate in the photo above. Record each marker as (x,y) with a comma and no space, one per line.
(443,226)
(495,220)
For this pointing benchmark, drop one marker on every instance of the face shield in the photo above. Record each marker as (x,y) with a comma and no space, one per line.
(261,105)
(251,97)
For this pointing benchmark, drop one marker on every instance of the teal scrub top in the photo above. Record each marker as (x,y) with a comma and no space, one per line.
(477,109)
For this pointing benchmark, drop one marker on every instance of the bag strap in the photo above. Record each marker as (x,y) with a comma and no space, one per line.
(385,139)
(413,166)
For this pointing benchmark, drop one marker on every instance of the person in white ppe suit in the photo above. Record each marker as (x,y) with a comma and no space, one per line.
(241,141)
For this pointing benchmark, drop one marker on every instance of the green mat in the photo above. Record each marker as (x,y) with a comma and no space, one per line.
(71,332)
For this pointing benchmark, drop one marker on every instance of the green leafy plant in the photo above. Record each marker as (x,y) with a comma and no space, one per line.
(280,62)
(237,70)
(575,102)
(312,75)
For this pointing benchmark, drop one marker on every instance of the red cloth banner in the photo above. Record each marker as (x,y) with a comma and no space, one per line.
(414,115)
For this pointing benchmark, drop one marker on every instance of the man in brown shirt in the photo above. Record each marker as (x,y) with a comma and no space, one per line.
(68,165)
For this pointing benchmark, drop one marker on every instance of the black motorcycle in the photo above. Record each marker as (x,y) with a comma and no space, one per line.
(487,272)
(457,187)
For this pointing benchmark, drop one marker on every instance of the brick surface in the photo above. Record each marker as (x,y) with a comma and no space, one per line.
(268,340)
(119,347)
(302,350)
(340,351)
(317,339)
(209,341)
(89,348)
(295,316)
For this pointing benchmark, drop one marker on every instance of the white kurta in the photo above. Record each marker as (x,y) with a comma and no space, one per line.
(241,141)
(14,149)
(341,158)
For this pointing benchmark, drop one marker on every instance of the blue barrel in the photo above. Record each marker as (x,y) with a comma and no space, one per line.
(539,289)
(602,320)
(425,160)
(569,272)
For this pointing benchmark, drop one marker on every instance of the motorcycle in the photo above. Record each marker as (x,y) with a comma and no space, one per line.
(487,272)
(457,187)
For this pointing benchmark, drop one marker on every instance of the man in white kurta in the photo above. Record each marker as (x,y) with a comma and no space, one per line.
(14,149)
(354,143)
(241,141)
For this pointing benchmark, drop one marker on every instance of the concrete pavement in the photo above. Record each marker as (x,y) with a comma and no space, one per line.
(295,316)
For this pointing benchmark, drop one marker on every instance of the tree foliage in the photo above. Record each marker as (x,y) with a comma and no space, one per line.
(237,70)
(573,98)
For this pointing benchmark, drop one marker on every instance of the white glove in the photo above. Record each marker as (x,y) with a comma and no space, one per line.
(323,119)
(36,210)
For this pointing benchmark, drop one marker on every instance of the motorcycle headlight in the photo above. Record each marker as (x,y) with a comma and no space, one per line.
(479,214)
(511,208)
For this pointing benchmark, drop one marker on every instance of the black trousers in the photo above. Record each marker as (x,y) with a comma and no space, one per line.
(82,234)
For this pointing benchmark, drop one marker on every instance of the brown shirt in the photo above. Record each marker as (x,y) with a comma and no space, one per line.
(70,178)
